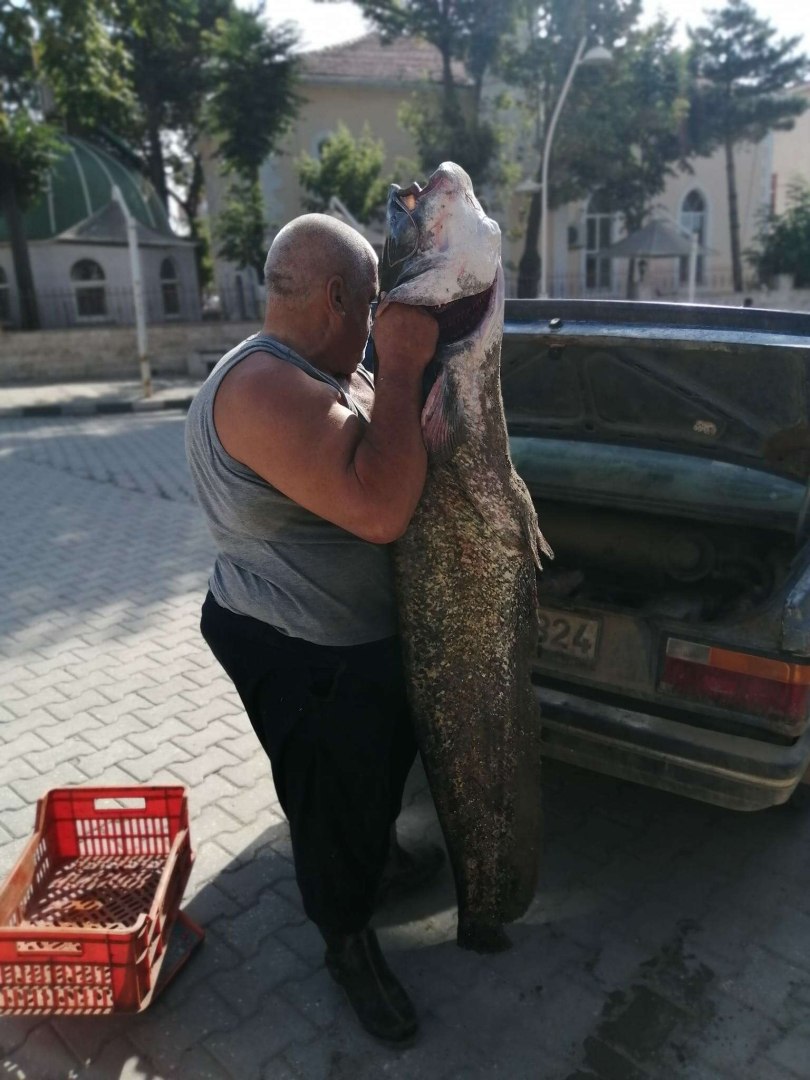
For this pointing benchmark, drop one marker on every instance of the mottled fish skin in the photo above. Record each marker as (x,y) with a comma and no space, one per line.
(465,574)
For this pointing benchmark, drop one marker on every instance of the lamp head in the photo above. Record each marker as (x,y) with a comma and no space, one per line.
(597,55)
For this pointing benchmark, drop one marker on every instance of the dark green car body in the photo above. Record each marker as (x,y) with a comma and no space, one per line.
(667,449)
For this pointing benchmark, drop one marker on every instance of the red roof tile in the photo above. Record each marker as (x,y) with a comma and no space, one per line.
(368,59)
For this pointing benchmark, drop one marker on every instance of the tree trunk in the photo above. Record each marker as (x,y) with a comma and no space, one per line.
(448,85)
(631,280)
(529,266)
(157,167)
(29,310)
(733,216)
(192,207)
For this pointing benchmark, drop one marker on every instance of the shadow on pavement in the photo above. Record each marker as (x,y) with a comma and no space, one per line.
(660,944)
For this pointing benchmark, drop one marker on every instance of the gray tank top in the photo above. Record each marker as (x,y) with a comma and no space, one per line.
(276,561)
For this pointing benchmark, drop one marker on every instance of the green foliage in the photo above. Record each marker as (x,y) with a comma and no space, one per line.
(164,42)
(584,141)
(27,151)
(740,74)
(240,228)
(635,122)
(783,240)
(86,72)
(538,61)
(349,168)
(17,75)
(470,31)
(66,44)
(448,135)
(253,101)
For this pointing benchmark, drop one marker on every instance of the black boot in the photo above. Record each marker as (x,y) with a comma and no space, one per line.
(407,871)
(356,963)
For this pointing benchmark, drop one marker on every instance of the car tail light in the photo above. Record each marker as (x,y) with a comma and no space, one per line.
(739,681)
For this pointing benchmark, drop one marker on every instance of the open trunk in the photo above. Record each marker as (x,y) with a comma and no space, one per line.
(667,449)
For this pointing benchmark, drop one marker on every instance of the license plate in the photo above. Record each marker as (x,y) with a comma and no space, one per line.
(568,635)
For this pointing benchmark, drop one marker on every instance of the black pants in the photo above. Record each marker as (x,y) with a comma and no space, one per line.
(335,724)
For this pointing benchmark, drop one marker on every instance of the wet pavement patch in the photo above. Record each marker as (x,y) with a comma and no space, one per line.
(644,1027)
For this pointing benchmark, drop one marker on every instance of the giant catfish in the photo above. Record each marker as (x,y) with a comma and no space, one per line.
(465,570)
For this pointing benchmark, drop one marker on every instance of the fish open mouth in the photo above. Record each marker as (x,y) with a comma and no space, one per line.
(460,317)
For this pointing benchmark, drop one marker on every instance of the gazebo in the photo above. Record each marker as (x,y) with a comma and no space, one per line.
(658,240)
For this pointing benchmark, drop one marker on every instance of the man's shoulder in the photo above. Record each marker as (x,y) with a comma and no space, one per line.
(261,378)
(262,396)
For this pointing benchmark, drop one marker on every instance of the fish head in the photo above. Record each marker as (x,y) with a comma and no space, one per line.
(444,254)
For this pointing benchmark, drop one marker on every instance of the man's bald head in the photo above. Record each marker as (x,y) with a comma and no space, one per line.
(311,250)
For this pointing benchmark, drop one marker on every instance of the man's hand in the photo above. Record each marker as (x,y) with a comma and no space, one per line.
(404,334)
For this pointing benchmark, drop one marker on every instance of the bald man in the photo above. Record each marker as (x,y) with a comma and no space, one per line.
(306,472)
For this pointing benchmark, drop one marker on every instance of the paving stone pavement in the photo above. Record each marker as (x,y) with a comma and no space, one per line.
(668,939)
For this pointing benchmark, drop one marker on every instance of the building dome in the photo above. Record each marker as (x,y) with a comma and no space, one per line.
(80,185)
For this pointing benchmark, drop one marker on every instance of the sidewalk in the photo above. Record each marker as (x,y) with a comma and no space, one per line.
(83,398)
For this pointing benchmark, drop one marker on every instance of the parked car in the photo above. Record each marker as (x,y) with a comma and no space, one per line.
(667,448)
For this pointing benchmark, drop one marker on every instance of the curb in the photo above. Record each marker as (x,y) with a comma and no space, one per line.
(92,408)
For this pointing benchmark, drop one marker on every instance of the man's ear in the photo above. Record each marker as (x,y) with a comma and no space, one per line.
(336,295)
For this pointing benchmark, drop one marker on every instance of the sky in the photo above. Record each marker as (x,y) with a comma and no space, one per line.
(329,24)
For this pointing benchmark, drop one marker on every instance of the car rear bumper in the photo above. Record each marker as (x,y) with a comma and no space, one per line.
(728,770)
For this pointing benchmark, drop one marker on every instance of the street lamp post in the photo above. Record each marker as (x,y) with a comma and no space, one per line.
(137,291)
(597,55)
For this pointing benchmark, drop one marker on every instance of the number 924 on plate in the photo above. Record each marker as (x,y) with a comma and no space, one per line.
(569,635)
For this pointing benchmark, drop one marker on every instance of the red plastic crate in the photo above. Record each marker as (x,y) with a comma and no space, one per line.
(86,913)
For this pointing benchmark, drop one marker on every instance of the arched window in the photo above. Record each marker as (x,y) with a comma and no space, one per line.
(693,220)
(91,294)
(5,298)
(600,222)
(170,288)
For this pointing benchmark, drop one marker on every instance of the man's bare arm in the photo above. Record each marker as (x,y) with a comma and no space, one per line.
(293,432)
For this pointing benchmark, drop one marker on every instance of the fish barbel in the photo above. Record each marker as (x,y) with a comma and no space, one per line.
(465,570)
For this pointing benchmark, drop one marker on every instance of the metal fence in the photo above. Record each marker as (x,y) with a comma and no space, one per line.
(662,281)
(90,304)
(95,303)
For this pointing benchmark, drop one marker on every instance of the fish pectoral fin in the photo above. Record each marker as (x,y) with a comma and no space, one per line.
(537,542)
(442,419)
(530,525)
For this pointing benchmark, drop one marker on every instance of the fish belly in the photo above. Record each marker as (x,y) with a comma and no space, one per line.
(468,619)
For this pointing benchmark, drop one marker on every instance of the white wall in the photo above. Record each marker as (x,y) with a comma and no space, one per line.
(51,264)
(110,352)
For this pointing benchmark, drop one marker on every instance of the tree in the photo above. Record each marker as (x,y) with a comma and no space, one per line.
(540,67)
(27,151)
(251,107)
(165,42)
(349,168)
(86,73)
(24,160)
(241,227)
(741,75)
(638,114)
(470,31)
(441,136)
(783,240)
(187,189)
(254,101)
(65,44)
